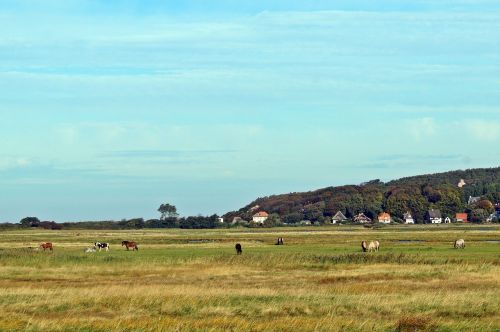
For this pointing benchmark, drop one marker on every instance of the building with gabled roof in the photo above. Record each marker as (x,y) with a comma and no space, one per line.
(338,217)
(435,216)
(384,218)
(408,218)
(473,200)
(260,217)
(362,219)
(462,217)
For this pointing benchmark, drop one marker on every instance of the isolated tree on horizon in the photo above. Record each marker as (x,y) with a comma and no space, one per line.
(168,211)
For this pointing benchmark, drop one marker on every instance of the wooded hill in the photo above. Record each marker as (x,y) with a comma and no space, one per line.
(417,194)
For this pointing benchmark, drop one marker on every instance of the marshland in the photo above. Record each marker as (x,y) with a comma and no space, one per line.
(319,280)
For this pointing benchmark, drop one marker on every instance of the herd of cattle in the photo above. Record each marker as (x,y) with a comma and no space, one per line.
(98,246)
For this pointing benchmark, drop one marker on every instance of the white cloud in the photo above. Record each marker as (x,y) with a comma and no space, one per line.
(484,130)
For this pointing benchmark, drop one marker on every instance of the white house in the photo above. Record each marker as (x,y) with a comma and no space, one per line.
(260,217)
(221,220)
(338,217)
(435,216)
(408,218)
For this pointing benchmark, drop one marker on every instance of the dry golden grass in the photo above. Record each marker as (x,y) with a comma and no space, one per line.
(318,281)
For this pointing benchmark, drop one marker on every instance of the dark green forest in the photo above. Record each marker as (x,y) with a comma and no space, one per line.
(416,194)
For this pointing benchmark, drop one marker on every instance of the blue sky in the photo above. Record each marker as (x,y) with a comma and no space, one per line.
(109,108)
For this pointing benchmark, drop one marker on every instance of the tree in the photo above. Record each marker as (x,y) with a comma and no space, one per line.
(30,222)
(479,215)
(168,211)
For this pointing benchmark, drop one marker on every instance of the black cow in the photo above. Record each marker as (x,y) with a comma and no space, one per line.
(239,249)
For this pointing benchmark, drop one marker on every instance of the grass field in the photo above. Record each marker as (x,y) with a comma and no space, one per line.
(186,280)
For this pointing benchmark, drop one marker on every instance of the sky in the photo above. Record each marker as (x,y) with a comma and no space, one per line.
(109,108)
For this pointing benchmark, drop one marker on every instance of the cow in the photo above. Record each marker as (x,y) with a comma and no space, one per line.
(47,245)
(100,246)
(460,244)
(239,249)
(129,244)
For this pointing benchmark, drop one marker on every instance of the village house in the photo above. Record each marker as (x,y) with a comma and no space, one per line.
(362,219)
(435,216)
(408,218)
(384,218)
(239,220)
(221,220)
(473,200)
(461,217)
(338,217)
(260,217)
(462,183)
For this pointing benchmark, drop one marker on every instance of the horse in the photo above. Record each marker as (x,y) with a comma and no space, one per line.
(364,246)
(129,244)
(460,244)
(373,246)
(101,246)
(280,242)
(47,245)
(239,249)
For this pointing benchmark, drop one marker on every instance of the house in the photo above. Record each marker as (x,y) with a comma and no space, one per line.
(362,219)
(260,217)
(447,220)
(473,200)
(237,220)
(435,216)
(462,183)
(338,217)
(461,217)
(384,218)
(221,220)
(408,218)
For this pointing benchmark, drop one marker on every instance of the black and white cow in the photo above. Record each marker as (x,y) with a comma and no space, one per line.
(101,246)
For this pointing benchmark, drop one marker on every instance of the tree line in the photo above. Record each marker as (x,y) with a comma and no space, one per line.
(416,194)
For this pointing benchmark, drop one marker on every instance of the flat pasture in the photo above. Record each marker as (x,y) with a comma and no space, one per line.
(192,280)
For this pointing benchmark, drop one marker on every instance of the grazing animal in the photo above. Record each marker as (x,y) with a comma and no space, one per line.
(373,246)
(239,249)
(364,246)
(460,244)
(129,244)
(47,245)
(90,250)
(100,246)
(280,242)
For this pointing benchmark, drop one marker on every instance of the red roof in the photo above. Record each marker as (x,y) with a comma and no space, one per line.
(261,214)
(384,215)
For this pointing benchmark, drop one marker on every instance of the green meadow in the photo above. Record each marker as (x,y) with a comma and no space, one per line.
(192,280)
